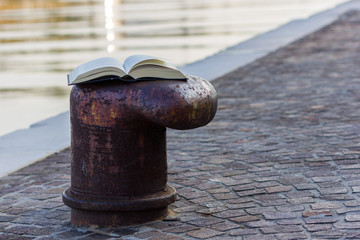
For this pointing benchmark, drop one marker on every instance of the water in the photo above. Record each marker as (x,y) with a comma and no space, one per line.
(41,41)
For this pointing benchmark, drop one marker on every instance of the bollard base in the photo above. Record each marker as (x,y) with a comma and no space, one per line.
(87,211)
(115,219)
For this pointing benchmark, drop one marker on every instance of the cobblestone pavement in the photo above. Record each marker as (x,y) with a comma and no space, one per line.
(280,160)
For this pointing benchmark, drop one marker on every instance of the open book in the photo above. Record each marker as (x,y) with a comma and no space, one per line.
(136,67)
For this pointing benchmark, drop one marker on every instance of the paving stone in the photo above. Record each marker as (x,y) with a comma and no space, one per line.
(204,233)
(278,189)
(347,210)
(16,211)
(243,187)
(265,184)
(181,229)
(241,205)
(352,217)
(211,211)
(354,183)
(260,223)
(337,187)
(185,209)
(326,179)
(205,221)
(269,197)
(189,193)
(338,190)
(305,186)
(224,226)
(290,222)
(310,213)
(17,237)
(329,234)
(266,179)
(260,210)
(281,229)
(347,225)
(230,213)
(224,196)
(239,200)
(355,203)
(243,219)
(250,192)
(337,197)
(7,218)
(321,220)
(72,233)
(301,200)
(355,189)
(29,230)
(219,190)
(146,234)
(262,237)
(187,217)
(95,236)
(279,215)
(353,166)
(290,208)
(350,234)
(318,227)
(268,203)
(290,236)
(166,237)
(300,194)
(325,205)
(222,238)
(241,232)
(51,205)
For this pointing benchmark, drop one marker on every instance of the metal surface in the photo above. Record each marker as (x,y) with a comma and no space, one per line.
(119,167)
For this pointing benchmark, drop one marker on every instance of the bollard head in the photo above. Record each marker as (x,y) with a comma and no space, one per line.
(180,104)
(168,103)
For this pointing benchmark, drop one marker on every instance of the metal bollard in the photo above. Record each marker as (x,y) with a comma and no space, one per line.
(118,140)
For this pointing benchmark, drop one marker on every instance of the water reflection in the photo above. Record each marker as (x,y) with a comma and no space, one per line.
(109,24)
(42,40)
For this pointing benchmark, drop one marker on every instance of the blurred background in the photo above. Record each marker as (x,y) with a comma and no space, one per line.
(43,40)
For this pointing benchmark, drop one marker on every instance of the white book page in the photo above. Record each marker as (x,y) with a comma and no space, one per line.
(92,66)
(131,61)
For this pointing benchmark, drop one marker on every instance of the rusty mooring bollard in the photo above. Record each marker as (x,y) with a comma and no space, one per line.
(118,139)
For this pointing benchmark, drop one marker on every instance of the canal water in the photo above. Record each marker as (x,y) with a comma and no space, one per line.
(41,41)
